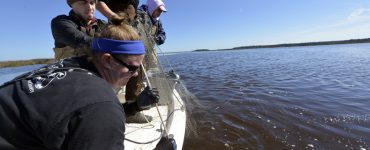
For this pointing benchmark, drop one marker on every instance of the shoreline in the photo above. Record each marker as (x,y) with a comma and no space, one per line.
(351,41)
(18,63)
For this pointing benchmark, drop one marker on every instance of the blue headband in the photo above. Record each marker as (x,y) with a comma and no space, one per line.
(118,46)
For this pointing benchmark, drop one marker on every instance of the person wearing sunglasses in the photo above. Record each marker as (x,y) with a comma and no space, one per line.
(141,21)
(72,104)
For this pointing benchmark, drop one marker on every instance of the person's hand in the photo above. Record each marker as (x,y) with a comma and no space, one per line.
(147,98)
(159,40)
(166,143)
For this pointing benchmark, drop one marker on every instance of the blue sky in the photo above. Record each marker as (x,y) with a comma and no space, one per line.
(200,24)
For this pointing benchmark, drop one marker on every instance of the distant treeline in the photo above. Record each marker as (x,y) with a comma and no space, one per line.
(352,41)
(46,61)
(18,63)
(200,50)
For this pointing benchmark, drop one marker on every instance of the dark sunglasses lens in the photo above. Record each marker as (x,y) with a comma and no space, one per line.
(129,67)
(132,68)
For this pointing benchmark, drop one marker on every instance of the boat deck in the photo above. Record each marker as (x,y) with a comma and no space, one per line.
(148,133)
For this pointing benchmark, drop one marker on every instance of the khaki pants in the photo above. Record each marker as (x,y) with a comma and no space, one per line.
(65,52)
(134,86)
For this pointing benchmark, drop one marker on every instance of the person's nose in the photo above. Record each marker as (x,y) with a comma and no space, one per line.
(135,74)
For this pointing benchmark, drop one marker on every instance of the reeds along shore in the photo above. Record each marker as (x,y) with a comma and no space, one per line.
(352,41)
(18,63)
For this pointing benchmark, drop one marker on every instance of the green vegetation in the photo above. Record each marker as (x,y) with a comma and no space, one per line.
(47,61)
(24,62)
(352,41)
(201,50)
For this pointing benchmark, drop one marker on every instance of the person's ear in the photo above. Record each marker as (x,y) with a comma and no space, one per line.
(107,61)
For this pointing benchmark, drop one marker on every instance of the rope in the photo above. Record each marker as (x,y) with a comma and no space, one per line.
(148,142)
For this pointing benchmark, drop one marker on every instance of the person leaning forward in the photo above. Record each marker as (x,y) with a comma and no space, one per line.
(141,22)
(139,19)
(72,103)
(73,33)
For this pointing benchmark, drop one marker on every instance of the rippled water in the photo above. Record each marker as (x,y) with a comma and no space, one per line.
(278,98)
(7,74)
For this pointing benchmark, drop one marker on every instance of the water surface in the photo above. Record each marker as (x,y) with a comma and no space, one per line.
(277,98)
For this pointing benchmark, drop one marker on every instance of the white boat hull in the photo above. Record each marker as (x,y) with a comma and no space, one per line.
(146,136)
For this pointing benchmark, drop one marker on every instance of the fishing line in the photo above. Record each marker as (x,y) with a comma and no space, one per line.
(156,105)
(164,130)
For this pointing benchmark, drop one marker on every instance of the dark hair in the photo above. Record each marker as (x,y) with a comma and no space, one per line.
(119,29)
(135,3)
(122,5)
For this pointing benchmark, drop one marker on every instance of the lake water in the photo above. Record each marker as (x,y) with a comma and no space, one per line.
(277,98)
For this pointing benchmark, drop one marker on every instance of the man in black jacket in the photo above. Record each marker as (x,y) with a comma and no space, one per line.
(74,32)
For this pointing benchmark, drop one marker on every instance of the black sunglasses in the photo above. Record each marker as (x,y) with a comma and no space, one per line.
(131,68)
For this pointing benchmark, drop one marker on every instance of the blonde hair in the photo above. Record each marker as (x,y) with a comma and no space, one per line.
(117,30)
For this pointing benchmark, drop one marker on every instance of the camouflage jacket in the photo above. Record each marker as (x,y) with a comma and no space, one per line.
(143,25)
(157,30)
